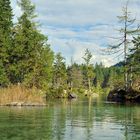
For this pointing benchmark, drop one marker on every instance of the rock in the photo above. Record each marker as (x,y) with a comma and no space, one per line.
(13,104)
(24,104)
(116,95)
(72,95)
(20,103)
(120,95)
(137,98)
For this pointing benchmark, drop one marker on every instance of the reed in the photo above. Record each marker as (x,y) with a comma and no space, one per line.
(19,93)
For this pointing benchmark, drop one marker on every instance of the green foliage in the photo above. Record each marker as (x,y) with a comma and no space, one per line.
(5,39)
(32,63)
(133,62)
(127,30)
(135,55)
(26,58)
(87,57)
(28,8)
(75,77)
(25,55)
(4,81)
(88,69)
(59,71)
(116,77)
(99,78)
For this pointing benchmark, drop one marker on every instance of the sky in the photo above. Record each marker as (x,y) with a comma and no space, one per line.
(72,26)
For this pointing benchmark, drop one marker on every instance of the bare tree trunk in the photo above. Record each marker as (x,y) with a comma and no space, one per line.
(125,71)
(131,76)
(125,50)
(89,85)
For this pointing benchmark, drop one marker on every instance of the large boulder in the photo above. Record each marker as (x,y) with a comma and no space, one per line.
(116,95)
(120,95)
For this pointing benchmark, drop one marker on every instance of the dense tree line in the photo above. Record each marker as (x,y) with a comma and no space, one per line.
(26,58)
(25,54)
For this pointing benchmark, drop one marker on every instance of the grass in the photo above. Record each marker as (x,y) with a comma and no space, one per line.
(19,93)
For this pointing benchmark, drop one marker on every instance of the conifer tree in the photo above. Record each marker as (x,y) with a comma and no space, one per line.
(99,78)
(89,68)
(59,71)
(5,39)
(75,76)
(135,55)
(134,61)
(31,57)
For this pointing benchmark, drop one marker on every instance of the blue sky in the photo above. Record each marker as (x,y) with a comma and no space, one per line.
(74,25)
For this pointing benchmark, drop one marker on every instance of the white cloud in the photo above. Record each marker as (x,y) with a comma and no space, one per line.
(74,25)
(75,49)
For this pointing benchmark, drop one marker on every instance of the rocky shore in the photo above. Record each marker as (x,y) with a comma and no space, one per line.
(120,95)
(23,104)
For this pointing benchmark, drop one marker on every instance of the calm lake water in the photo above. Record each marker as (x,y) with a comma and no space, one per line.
(88,119)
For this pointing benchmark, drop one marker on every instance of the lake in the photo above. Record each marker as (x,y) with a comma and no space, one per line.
(83,119)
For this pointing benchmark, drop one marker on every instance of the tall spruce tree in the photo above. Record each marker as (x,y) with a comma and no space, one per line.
(134,62)
(99,78)
(75,76)
(88,68)
(31,57)
(5,40)
(59,71)
(135,55)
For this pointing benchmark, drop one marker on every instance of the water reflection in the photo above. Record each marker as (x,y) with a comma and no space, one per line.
(88,119)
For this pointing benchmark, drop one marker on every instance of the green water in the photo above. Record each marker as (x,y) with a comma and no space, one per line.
(88,119)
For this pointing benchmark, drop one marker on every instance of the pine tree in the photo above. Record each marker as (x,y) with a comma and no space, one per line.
(28,8)
(75,77)
(88,68)
(59,71)
(31,57)
(134,61)
(5,39)
(115,77)
(99,78)
(135,55)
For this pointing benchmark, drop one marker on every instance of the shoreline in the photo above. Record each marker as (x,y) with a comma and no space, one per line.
(120,95)
(22,104)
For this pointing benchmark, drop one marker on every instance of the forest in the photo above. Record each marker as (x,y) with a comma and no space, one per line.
(28,64)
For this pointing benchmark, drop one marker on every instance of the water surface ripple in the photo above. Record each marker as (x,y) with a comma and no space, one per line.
(71,120)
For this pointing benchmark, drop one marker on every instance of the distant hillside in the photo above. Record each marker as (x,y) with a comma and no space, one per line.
(120,64)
